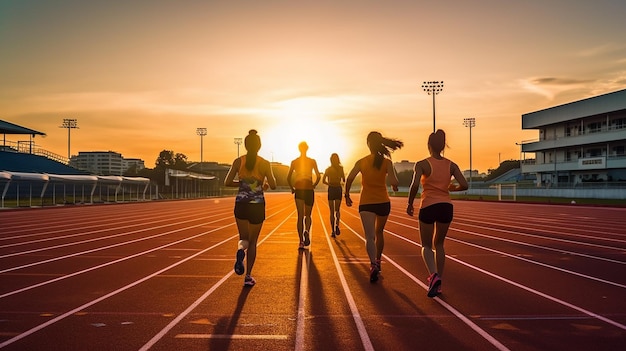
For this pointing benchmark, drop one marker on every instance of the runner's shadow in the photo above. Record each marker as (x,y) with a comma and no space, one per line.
(226,326)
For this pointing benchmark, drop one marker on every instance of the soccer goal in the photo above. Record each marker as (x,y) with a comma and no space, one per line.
(507,191)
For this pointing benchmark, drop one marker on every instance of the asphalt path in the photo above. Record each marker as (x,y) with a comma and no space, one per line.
(159,276)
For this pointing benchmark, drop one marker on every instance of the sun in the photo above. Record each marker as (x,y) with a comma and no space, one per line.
(304,119)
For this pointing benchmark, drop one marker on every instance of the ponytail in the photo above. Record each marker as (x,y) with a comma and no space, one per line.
(252,144)
(437,141)
(381,147)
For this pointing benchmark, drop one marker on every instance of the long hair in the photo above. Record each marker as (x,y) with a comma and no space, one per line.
(252,143)
(437,141)
(334,161)
(381,147)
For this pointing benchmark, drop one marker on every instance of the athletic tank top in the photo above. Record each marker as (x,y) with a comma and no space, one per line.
(250,182)
(303,168)
(334,175)
(435,186)
(373,181)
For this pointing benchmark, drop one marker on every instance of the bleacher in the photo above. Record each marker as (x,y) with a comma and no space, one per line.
(27,163)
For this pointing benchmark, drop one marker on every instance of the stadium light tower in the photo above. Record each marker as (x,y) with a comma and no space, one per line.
(433,88)
(201,132)
(471,123)
(238,141)
(69,123)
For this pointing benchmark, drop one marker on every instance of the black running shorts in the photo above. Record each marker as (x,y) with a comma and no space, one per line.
(382,209)
(334,192)
(251,212)
(441,212)
(305,194)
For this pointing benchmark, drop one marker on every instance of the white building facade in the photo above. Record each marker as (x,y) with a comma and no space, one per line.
(104,162)
(583,142)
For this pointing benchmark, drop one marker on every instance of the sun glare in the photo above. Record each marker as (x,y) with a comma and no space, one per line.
(305,119)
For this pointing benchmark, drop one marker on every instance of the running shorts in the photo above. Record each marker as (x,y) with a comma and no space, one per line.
(382,209)
(440,212)
(334,192)
(305,194)
(251,212)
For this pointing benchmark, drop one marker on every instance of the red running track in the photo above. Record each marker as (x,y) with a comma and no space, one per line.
(159,276)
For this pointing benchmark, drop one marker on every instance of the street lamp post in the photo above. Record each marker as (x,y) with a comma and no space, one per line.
(69,123)
(470,122)
(238,141)
(201,132)
(433,88)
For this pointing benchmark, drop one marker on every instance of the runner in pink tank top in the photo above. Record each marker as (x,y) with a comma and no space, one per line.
(436,210)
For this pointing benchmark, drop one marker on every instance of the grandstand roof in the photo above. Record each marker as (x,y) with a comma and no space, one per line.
(10,128)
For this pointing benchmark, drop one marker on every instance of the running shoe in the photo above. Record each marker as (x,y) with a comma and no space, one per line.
(374,272)
(333,234)
(337,231)
(434,283)
(239,268)
(249,281)
(301,246)
(307,239)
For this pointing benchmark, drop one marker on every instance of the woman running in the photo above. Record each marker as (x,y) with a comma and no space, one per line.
(303,188)
(436,210)
(334,177)
(255,176)
(374,205)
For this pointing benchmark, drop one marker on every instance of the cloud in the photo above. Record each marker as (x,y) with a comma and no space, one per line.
(552,86)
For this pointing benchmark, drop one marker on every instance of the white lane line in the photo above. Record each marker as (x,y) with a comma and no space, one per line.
(113,293)
(170,222)
(546,296)
(521,286)
(304,288)
(538,263)
(196,303)
(232,337)
(99,239)
(111,262)
(493,341)
(365,338)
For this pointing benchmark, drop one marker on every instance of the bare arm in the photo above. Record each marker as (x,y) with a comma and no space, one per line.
(391,173)
(269,176)
(289,177)
(232,172)
(458,176)
(355,170)
(415,185)
(325,177)
(318,176)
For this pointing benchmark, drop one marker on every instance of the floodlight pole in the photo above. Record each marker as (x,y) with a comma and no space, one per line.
(69,123)
(201,132)
(470,122)
(433,88)
(238,141)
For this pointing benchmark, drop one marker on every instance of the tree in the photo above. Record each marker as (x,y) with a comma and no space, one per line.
(165,159)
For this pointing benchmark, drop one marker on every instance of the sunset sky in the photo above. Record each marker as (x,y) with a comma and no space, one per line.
(140,76)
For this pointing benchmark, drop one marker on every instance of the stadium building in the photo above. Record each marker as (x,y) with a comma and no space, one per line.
(580,143)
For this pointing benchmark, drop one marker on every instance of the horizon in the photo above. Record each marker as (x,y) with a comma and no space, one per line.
(141,78)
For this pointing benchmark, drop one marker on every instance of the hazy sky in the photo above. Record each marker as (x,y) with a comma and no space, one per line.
(140,76)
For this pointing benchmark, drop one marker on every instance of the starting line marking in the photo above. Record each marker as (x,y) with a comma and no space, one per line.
(233,336)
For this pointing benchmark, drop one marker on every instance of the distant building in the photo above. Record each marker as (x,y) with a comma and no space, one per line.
(582,141)
(104,162)
(403,165)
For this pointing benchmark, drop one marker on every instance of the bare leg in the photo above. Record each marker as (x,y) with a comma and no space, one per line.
(255,229)
(441,229)
(368,219)
(380,238)
(331,206)
(426,236)
(307,218)
(300,224)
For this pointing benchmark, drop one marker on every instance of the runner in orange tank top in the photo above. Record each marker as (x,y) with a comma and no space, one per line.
(374,205)
(436,210)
